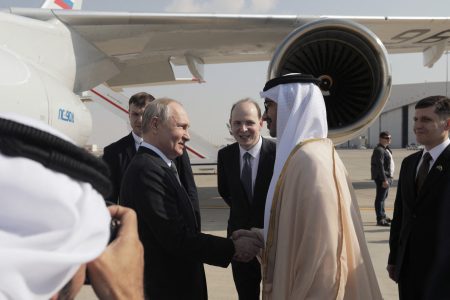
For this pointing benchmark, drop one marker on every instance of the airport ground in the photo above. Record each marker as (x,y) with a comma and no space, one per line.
(215,216)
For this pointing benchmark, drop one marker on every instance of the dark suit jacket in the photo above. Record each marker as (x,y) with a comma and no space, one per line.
(118,156)
(243,212)
(380,163)
(175,249)
(419,240)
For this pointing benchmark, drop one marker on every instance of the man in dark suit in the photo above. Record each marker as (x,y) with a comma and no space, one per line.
(382,170)
(246,206)
(119,154)
(419,258)
(175,248)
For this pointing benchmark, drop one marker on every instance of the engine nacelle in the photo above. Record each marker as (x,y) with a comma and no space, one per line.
(29,91)
(351,62)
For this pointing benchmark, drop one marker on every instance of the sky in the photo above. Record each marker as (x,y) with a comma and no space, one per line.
(208,104)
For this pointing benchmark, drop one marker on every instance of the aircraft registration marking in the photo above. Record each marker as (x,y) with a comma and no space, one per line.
(66,115)
(420,34)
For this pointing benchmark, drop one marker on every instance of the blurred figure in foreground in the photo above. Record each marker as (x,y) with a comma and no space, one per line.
(53,220)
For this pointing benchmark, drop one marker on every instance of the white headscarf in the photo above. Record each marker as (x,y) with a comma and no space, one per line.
(301,115)
(50,225)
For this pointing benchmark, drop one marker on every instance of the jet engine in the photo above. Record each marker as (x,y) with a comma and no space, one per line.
(352,64)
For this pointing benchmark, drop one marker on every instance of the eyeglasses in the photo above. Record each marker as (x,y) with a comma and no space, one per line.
(386,137)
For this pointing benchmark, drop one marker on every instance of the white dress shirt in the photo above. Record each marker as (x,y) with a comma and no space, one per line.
(435,152)
(137,140)
(157,151)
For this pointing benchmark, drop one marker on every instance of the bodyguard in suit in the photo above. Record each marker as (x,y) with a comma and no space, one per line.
(382,170)
(174,247)
(419,258)
(119,154)
(243,189)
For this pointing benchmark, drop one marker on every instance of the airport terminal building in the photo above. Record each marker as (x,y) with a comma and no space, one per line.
(397,116)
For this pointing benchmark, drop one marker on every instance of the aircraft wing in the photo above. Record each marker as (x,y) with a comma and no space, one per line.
(143,45)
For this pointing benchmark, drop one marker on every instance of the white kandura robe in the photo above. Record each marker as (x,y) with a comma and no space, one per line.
(316,247)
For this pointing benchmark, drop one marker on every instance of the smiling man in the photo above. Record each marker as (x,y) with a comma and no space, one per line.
(419,259)
(169,228)
(118,155)
(244,170)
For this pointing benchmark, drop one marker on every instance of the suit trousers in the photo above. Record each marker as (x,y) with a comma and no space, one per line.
(381,195)
(247,278)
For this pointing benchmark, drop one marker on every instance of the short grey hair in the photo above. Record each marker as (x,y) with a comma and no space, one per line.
(158,108)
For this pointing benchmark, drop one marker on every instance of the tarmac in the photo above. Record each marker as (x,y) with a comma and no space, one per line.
(215,215)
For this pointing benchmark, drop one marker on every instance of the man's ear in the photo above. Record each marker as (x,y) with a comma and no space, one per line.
(154,123)
(447,124)
(261,121)
(229,127)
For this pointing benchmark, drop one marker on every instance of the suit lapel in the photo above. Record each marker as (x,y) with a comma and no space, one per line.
(131,149)
(176,184)
(437,173)
(263,165)
(189,201)
(411,179)
(236,168)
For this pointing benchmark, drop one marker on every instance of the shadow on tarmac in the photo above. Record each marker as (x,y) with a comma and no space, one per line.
(362,185)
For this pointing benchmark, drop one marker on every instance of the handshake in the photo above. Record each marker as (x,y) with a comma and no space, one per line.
(247,244)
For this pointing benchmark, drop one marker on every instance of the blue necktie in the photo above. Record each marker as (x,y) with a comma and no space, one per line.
(246,176)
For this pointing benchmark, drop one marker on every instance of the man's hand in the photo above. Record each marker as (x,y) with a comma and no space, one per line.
(247,244)
(119,272)
(391,271)
(254,232)
(385,184)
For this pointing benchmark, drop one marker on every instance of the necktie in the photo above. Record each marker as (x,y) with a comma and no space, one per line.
(423,171)
(174,169)
(137,144)
(246,176)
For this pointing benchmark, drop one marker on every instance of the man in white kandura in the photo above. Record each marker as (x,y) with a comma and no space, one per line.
(315,244)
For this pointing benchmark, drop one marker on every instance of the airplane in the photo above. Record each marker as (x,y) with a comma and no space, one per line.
(49,56)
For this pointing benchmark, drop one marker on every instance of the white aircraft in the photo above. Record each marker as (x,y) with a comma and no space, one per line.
(49,56)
